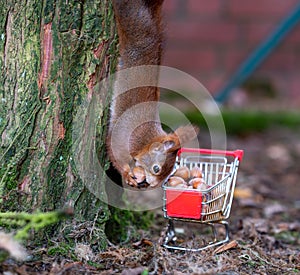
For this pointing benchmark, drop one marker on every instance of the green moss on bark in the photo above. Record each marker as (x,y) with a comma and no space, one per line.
(19,102)
(41,90)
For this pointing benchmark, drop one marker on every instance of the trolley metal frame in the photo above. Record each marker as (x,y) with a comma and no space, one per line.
(219,170)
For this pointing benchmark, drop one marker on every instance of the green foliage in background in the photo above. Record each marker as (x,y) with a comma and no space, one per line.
(247,122)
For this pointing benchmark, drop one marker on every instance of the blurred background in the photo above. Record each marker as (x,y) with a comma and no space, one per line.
(247,54)
(211,39)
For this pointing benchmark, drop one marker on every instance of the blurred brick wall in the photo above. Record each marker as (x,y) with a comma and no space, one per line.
(210,38)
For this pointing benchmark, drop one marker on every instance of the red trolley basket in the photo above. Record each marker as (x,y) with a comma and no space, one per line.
(210,206)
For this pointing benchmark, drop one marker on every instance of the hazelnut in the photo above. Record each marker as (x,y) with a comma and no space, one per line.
(174,181)
(182,172)
(196,172)
(198,183)
(139,173)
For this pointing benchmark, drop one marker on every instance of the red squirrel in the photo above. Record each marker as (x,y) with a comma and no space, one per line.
(150,150)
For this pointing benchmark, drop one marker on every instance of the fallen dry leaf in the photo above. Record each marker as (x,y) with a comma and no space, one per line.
(225,247)
(142,242)
(243,193)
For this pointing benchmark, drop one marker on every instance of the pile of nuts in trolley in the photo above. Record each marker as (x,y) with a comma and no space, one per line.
(187,178)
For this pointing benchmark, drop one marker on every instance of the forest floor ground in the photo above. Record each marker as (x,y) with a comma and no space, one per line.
(264,224)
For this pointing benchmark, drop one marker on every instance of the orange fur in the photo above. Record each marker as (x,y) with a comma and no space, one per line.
(147,145)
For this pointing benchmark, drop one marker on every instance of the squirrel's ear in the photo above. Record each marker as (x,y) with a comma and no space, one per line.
(186,133)
(169,144)
(182,135)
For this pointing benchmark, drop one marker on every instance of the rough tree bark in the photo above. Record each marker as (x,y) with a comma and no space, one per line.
(53,54)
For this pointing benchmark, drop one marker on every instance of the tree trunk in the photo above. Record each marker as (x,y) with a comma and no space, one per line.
(53,55)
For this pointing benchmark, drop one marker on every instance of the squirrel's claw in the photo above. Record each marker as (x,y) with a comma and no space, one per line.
(130,180)
(129,177)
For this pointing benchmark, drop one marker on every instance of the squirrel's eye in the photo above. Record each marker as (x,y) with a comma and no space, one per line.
(156,169)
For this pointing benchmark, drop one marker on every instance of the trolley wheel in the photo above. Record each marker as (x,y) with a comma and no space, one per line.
(170,239)
(170,234)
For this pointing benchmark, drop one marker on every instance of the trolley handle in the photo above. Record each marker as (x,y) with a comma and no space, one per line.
(237,153)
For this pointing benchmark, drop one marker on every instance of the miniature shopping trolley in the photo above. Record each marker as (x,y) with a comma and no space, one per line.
(209,204)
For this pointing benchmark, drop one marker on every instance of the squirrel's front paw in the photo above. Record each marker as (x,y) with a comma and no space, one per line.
(135,177)
(130,179)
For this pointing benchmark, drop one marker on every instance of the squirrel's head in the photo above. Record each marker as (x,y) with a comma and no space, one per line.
(158,158)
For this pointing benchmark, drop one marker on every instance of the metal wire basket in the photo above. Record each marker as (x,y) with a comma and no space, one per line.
(210,206)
